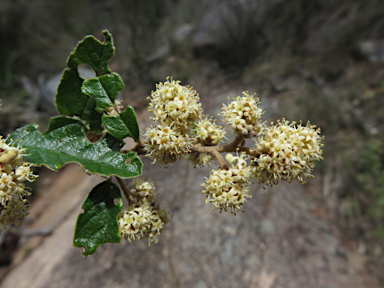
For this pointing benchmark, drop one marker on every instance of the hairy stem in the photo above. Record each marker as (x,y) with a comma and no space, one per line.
(237,145)
(211,150)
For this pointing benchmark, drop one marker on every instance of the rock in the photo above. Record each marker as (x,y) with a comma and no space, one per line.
(267,227)
(201,284)
(222,26)
(183,32)
(48,88)
(161,53)
(373,50)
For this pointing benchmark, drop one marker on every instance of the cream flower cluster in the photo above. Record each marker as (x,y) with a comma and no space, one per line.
(176,109)
(175,104)
(116,109)
(208,132)
(287,151)
(144,190)
(228,189)
(13,172)
(164,144)
(243,114)
(142,219)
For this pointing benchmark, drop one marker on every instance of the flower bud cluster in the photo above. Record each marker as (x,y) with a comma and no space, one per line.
(14,171)
(228,189)
(208,132)
(243,115)
(144,191)
(176,108)
(142,219)
(287,151)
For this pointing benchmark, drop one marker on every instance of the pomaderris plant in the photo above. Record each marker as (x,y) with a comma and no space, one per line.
(280,151)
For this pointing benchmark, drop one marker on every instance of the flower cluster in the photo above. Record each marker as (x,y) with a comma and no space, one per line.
(13,172)
(175,105)
(165,143)
(116,109)
(287,151)
(243,115)
(144,191)
(208,132)
(142,219)
(176,108)
(182,124)
(283,151)
(229,188)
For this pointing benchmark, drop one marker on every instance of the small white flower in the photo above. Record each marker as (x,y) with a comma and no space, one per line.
(24,173)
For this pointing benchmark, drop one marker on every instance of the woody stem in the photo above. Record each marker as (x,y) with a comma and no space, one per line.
(125,190)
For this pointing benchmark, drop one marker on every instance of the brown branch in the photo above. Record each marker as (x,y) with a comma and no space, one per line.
(237,145)
(125,190)
(139,149)
(231,147)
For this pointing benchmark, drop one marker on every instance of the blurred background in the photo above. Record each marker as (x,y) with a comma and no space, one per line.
(318,60)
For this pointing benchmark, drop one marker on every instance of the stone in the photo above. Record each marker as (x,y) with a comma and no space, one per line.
(373,50)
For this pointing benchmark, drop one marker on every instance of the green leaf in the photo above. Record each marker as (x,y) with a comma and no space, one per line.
(66,141)
(71,102)
(98,223)
(94,53)
(104,89)
(124,125)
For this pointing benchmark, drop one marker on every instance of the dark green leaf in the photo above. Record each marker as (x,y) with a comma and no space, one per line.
(104,89)
(94,53)
(125,125)
(65,141)
(71,102)
(98,222)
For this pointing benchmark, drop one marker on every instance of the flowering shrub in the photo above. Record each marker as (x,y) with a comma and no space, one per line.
(281,151)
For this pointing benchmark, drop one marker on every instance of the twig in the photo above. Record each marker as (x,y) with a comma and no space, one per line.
(237,145)
(125,190)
